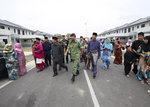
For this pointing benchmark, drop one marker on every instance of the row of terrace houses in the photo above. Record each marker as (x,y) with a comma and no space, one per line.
(12,33)
(128,31)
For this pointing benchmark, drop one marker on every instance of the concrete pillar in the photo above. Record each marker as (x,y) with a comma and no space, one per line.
(9,39)
(20,40)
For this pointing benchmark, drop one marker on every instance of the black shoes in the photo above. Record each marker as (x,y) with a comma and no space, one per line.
(59,68)
(94,75)
(78,72)
(55,74)
(66,68)
(73,78)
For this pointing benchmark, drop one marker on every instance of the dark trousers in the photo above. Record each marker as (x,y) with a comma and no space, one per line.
(67,58)
(127,68)
(60,63)
(47,57)
(135,69)
(63,61)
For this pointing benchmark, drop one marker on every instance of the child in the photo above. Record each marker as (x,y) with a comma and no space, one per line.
(128,60)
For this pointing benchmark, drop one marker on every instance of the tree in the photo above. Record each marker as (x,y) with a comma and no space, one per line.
(0,45)
(68,35)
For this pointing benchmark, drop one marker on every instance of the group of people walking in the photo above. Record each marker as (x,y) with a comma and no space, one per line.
(88,51)
(138,55)
(15,61)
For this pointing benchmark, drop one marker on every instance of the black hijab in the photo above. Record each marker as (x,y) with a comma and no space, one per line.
(144,46)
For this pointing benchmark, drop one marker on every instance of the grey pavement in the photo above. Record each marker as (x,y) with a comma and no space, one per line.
(29,57)
(111,87)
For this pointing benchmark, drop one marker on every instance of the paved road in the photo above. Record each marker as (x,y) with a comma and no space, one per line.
(29,57)
(111,87)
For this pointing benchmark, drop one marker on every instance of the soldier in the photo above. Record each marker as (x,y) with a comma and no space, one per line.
(66,42)
(76,53)
(57,53)
(63,50)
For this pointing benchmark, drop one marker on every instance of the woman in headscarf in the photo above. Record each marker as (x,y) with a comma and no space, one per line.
(10,57)
(33,52)
(106,55)
(118,52)
(129,43)
(144,52)
(21,59)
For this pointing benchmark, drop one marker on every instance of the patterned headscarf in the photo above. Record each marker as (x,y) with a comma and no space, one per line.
(7,50)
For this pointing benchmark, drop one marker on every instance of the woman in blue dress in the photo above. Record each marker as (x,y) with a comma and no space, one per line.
(106,55)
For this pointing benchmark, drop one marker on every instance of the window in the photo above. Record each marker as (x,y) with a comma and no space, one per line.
(14,30)
(143,25)
(129,29)
(5,40)
(125,30)
(137,27)
(132,28)
(8,28)
(18,31)
(32,33)
(2,27)
(23,32)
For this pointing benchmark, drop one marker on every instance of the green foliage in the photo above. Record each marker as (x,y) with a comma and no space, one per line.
(0,45)
(68,35)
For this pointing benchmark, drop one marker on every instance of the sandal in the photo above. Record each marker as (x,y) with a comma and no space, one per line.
(147,82)
(142,82)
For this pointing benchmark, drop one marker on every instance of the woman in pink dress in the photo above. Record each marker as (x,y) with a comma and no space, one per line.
(21,59)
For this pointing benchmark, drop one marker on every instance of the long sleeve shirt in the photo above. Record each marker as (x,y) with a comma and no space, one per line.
(57,52)
(39,53)
(128,58)
(94,45)
(46,47)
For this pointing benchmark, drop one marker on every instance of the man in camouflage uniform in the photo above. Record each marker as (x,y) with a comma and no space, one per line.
(76,53)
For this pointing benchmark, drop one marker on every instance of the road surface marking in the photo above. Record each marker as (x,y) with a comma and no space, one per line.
(95,101)
(2,86)
(6,84)
(20,96)
(31,68)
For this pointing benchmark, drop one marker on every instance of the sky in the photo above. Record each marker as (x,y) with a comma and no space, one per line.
(73,16)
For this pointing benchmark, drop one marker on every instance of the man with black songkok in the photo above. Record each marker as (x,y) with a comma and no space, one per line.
(47,49)
(57,53)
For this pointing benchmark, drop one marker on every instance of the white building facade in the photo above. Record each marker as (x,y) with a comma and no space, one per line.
(129,30)
(12,33)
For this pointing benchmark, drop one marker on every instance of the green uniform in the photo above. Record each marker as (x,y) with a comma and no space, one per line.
(75,48)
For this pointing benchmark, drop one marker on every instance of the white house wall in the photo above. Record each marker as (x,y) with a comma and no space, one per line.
(132,33)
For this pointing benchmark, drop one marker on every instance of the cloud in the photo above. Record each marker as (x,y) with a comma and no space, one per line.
(63,16)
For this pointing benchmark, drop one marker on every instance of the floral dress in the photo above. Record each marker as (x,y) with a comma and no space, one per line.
(12,67)
(143,65)
(22,64)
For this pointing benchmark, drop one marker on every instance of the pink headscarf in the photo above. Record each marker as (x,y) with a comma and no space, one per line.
(17,47)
